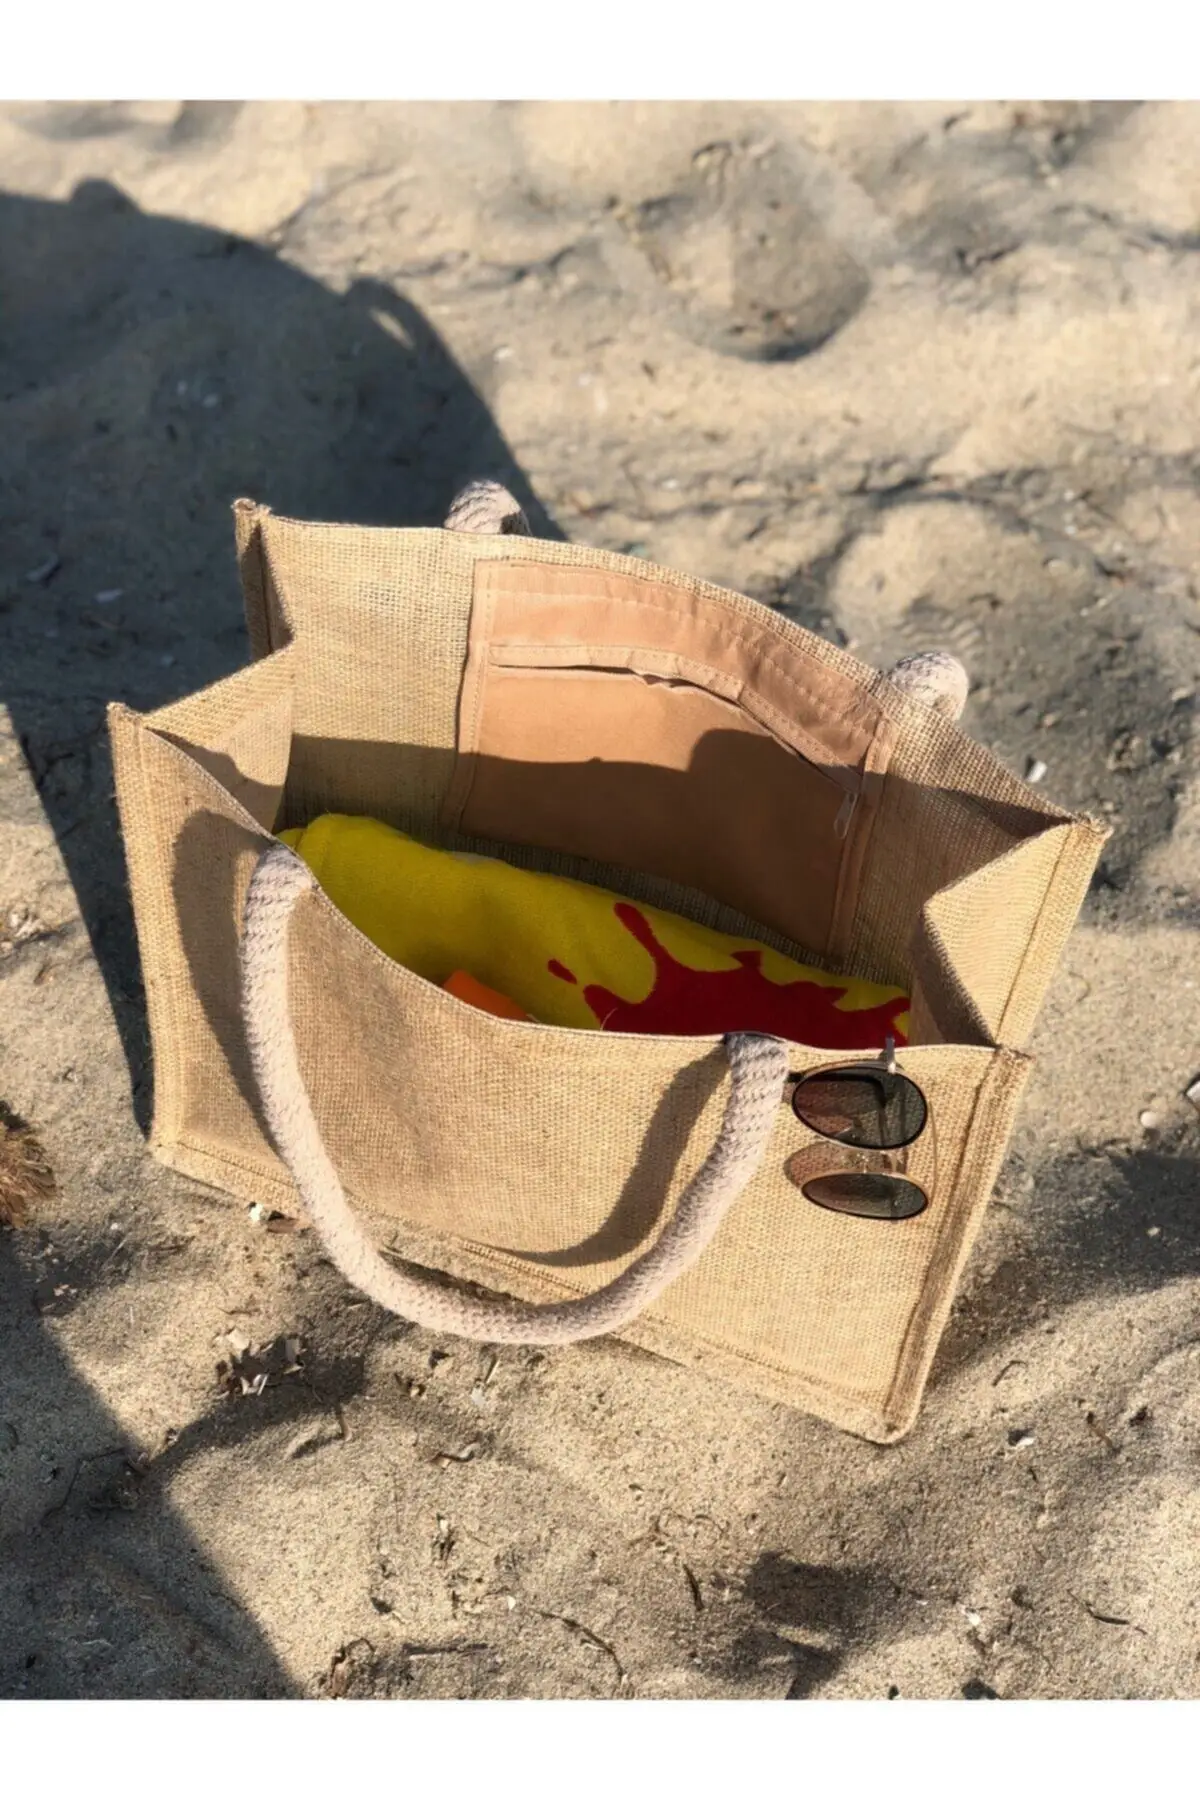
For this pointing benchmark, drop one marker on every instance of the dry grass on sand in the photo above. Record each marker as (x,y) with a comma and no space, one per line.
(25,1175)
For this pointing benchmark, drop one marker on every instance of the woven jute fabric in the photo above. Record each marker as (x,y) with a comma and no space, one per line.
(539,1162)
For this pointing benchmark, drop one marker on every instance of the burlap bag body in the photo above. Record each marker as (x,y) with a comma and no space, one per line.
(594,715)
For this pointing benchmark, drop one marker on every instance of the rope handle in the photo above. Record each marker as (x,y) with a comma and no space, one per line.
(758,1069)
(487,507)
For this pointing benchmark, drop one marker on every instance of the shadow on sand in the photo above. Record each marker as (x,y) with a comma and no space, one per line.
(152,371)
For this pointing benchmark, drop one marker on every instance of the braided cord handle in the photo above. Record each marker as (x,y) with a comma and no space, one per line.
(758,1067)
(488,508)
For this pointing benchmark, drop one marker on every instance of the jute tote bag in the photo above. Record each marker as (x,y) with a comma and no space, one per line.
(595,716)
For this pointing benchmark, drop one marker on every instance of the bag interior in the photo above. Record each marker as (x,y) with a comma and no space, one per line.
(650,738)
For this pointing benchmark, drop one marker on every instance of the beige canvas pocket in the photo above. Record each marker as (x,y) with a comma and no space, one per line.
(625,721)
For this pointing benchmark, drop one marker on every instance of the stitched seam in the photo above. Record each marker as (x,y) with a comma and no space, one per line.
(723,629)
(616,666)
(168,1104)
(996,1080)
(230,1157)
(265,590)
(1051,890)
(471,690)
(847,897)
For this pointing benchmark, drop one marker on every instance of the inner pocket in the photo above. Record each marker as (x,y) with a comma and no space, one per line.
(684,745)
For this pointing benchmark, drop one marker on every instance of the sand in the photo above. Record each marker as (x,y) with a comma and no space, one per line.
(918,374)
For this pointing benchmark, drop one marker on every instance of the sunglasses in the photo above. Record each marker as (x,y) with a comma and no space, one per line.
(876,1113)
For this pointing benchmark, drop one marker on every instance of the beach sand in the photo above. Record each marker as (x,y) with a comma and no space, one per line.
(920,374)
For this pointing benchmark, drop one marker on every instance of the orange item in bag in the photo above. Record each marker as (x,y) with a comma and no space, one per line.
(577,956)
(477,993)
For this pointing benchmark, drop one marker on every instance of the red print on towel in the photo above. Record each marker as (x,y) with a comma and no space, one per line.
(687,1001)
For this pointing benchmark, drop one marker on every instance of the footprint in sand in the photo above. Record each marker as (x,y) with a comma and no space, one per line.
(746,256)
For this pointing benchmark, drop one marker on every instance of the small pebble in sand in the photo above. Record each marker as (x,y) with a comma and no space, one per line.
(1020,1438)
(1149,1121)
(1035,770)
(1192,1091)
(1154,1231)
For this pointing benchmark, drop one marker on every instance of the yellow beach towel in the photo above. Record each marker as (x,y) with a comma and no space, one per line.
(567,953)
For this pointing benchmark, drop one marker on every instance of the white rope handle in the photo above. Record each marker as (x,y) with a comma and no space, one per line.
(936,679)
(758,1067)
(487,507)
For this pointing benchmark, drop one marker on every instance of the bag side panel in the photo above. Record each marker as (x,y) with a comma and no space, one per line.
(190,848)
(949,806)
(267,625)
(1002,930)
(1080,847)
(986,1139)
(146,835)
(378,621)
(240,730)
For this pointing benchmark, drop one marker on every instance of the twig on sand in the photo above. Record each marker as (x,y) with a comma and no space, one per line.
(1103,1618)
(694,1587)
(589,1636)
(1097,1430)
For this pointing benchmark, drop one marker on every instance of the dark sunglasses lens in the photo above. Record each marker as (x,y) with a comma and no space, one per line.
(867,1196)
(866,1108)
